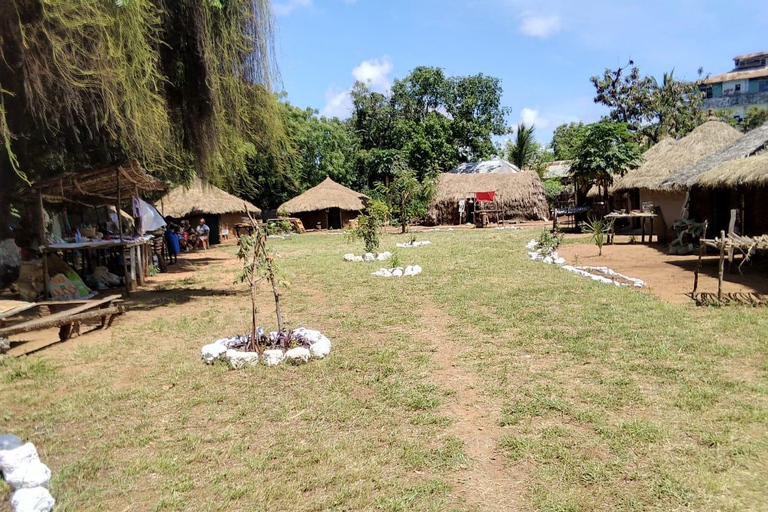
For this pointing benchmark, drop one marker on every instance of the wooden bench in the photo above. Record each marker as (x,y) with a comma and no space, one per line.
(66,315)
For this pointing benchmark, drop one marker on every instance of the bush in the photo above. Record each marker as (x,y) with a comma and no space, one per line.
(279,227)
(369,225)
(552,189)
(598,229)
(549,241)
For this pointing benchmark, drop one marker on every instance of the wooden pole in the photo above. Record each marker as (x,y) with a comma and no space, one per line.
(127,276)
(721,267)
(41,227)
(702,250)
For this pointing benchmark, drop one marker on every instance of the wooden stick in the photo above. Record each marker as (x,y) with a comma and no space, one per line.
(120,231)
(721,267)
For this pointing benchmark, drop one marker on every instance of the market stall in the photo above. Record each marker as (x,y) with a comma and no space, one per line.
(113,239)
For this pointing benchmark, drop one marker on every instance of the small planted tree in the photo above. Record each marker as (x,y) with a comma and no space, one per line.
(598,229)
(259,265)
(369,225)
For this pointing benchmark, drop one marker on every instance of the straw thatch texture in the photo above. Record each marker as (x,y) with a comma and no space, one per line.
(751,171)
(671,155)
(202,198)
(747,145)
(496,165)
(327,194)
(522,195)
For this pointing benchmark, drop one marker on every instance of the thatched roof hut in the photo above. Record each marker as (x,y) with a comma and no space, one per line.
(328,205)
(670,155)
(747,145)
(495,166)
(521,194)
(750,171)
(201,198)
(222,211)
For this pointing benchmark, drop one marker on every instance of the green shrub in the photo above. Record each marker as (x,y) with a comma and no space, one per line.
(549,240)
(369,225)
(598,229)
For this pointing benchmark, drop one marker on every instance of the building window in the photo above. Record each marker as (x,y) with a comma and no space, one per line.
(762,86)
(710,93)
(737,88)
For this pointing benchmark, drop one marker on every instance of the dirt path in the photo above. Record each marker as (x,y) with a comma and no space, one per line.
(487,483)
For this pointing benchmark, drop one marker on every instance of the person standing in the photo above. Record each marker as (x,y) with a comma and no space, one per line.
(203,234)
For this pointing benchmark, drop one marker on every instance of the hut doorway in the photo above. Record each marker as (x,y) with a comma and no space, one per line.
(334,218)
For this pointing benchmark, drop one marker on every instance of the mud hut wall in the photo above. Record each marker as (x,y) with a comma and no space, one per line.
(227,222)
(346,216)
(670,203)
(310,219)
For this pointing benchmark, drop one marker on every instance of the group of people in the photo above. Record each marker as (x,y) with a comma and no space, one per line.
(185,237)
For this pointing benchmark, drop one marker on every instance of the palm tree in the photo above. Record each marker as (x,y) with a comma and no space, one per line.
(522,151)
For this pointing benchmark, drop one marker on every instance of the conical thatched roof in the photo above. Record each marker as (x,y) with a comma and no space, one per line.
(327,194)
(751,171)
(522,194)
(495,166)
(747,145)
(202,198)
(671,155)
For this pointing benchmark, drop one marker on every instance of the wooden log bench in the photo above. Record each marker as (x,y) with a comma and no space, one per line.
(66,315)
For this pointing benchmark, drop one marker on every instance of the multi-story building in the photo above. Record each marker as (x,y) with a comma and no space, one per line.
(741,89)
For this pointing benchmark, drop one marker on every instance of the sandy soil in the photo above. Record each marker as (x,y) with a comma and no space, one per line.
(669,277)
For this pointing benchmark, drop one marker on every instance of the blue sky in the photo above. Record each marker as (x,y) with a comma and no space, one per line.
(544,51)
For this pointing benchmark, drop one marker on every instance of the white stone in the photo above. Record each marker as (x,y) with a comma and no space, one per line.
(26,476)
(11,460)
(369,257)
(358,258)
(273,357)
(383,256)
(349,257)
(237,359)
(398,272)
(416,270)
(298,355)
(531,245)
(36,499)
(213,351)
(320,348)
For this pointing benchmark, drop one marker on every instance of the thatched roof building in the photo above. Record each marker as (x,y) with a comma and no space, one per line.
(750,171)
(220,209)
(201,198)
(669,155)
(327,205)
(747,145)
(521,194)
(495,166)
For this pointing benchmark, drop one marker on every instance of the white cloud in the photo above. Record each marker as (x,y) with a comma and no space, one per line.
(337,103)
(374,72)
(530,116)
(540,26)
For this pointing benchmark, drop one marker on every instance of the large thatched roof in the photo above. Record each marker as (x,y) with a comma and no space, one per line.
(495,166)
(327,194)
(751,171)
(522,194)
(202,198)
(747,145)
(670,155)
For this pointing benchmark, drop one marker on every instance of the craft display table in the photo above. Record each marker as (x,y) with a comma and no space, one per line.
(632,215)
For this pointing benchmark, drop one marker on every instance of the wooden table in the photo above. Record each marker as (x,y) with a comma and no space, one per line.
(138,252)
(632,215)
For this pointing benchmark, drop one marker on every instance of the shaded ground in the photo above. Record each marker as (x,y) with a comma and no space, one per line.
(668,276)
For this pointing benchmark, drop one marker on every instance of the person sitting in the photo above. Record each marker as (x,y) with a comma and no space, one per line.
(203,233)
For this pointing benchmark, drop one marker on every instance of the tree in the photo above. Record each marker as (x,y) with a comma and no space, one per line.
(182,86)
(407,197)
(522,151)
(603,151)
(755,118)
(564,140)
(650,109)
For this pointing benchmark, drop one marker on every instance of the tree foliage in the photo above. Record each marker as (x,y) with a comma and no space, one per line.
(180,85)
(522,150)
(603,151)
(651,109)
(565,139)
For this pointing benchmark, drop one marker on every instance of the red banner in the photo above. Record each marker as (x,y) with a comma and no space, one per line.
(485,197)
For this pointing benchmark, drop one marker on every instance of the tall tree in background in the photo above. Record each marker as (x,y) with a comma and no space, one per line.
(650,109)
(565,138)
(522,151)
(603,151)
(431,121)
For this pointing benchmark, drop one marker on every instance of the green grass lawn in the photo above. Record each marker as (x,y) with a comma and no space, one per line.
(603,398)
